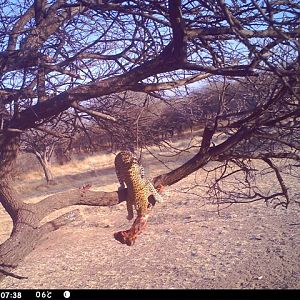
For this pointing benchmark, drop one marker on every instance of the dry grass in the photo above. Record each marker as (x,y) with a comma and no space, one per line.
(88,163)
(98,170)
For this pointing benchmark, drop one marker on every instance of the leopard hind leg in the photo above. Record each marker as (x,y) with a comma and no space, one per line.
(129,206)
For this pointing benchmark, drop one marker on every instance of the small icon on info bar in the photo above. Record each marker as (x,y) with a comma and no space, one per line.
(67,294)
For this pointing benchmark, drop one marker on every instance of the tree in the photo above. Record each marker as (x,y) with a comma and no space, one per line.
(273,145)
(57,55)
(42,146)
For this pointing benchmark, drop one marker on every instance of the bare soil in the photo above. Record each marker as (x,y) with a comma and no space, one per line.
(186,245)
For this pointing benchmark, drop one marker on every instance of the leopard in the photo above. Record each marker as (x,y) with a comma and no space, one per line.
(141,194)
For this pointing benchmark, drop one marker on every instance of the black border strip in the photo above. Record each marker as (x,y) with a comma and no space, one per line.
(91,294)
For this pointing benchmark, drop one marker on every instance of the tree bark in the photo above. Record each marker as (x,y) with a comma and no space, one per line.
(27,230)
(45,165)
(47,171)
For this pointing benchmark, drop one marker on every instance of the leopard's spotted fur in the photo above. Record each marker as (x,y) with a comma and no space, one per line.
(131,173)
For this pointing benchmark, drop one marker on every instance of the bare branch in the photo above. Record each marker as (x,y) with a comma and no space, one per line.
(142,87)
(280,180)
(93,112)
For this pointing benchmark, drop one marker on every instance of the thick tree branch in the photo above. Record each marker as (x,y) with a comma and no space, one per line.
(201,158)
(226,33)
(94,113)
(152,87)
(29,117)
(18,29)
(178,27)
(239,70)
(82,196)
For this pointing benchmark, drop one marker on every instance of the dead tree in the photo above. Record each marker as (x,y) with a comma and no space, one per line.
(56,56)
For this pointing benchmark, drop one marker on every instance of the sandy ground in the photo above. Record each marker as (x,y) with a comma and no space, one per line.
(187,245)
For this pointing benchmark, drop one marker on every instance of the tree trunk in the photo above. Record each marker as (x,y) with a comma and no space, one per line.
(47,170)
(27,230)
(45,165)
